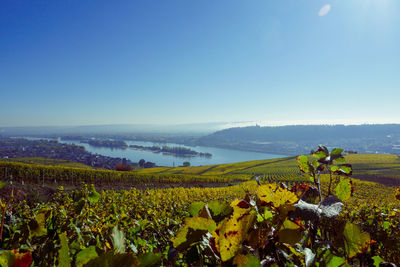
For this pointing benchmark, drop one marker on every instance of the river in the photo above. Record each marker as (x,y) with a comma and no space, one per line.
(219,155)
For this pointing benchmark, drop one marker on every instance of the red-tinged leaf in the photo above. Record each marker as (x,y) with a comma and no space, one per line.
(243,204)
(23,259)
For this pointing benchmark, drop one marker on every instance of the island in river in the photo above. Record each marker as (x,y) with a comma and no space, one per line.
(176,151)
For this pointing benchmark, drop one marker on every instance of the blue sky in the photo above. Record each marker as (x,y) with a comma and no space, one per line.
(173,62)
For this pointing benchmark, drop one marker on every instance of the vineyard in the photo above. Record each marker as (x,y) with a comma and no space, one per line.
(247,224)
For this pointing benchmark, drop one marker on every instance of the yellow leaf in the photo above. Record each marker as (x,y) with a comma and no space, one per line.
(233,230)
(355,241)
(277,197)
(290,233)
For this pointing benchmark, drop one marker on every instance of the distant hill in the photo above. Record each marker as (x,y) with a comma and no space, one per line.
(382,138)
(191,129)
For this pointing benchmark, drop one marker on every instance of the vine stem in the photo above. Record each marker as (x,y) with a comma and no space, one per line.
(319,186)
(4,214)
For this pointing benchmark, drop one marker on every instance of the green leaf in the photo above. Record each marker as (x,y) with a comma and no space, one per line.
(37,226)
(336,151)
(377,260)
(149,259)
(332,260)
(192,232)
(63,252)
(320,155)
(93,196)
(265,216)
(7,258)
(219,210)
(340,160)
(118,240)
(355,242)
(85,255)
(343,189)
(344,169)
(323,149)
(304,165)
(289,233)
(248,260)
(386,225)
(195,207)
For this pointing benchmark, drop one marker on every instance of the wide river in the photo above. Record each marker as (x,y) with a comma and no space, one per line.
(219,155)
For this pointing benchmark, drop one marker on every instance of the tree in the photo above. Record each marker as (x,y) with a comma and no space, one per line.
(186,164)
(123,167)
(149,164)
(141,162)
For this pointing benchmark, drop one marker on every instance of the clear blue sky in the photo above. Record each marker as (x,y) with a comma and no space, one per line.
(170,62)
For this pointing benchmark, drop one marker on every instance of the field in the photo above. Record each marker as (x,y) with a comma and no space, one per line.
(78,222)
(51,162)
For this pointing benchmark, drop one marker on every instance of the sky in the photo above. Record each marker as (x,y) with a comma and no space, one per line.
(174,62)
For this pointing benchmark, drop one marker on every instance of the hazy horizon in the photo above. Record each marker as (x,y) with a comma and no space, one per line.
(186,62)
(199,128)
(225,124)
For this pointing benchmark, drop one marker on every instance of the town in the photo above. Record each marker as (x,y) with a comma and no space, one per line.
(20,147)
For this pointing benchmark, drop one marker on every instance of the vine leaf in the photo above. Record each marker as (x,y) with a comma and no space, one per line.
(118,240)
(93,196)
(23,259)
(332,261)
(355,242)
(37,226)
(233,230)
(397,193)
(149,259)
(331,207)
(63,252)
(336,152)
(342,169)
(195,207)
(219,210)
(290,233)
(276,197)
(192,231)
(377,260)
(248,260)
(85,255)
(343,189)
(304,164)
(7,258)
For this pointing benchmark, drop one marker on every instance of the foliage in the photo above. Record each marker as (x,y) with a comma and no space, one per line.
(334,163)
(282,237)
(44,173)
(123,167)
(244,225)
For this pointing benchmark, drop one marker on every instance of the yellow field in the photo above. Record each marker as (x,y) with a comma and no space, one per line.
(51,162)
